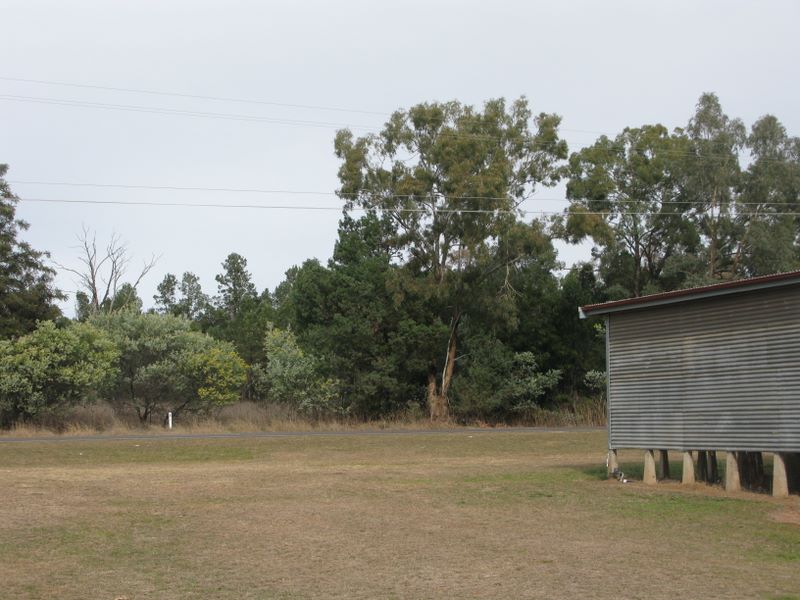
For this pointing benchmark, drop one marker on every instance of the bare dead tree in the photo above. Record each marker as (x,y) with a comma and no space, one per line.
(102,273)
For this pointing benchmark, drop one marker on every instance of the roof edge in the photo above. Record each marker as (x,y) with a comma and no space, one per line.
(689,294)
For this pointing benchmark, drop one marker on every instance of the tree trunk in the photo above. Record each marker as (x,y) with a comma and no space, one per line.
(144,414)
(706,467)
(701,466)
(438,402)
(751,465)
(713,471)
(712,246)
(450,361)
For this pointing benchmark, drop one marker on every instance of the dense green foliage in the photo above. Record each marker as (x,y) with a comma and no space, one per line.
(27,293)
(165,366)
(671,210)
(53,368)
(292,376)
(445,180)
(441,297)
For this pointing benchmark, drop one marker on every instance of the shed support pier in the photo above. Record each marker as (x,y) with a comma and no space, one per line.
(612,463)
(649,468)
(687,476)
(733,482)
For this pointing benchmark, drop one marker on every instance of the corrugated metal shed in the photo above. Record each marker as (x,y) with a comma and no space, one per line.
(711,368)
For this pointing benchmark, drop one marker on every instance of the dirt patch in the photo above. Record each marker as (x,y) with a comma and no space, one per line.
(789,515)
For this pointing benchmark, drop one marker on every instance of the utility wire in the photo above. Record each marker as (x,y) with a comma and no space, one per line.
(158,110)
(223,98)
(354,195)
(230,99)
(538,145)
(176,112)
(192,96)
(268,206)
(339,208)
(171,187)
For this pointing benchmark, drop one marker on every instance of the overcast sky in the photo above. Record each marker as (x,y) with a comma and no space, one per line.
(601,65)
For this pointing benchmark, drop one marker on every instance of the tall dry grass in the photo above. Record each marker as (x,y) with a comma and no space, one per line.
(585,412)
(245,416)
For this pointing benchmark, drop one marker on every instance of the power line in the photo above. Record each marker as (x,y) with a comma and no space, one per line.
(239,117)
(257,190)
(538,145)
(222,98)
(230,99)
(255,118)
(192,96)
(360,209)
(256,206)
(171,187)
(354,195)
(176,112)
(235,117)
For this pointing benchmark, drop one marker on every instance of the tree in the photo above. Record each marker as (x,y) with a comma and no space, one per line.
(124,299)
(497,382)
(234,285)
(767,237)
(449,179)
(281,295)
(101,278)
(239,314)
(164,366)
(165,299)
(27,292)
(213,376)
(185,298)
(52,368)
(626,195)
(365,322)
(712,175)
(290,376)
(562,340)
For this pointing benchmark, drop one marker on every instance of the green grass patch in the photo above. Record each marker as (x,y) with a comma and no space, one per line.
(661,505)
(99,453)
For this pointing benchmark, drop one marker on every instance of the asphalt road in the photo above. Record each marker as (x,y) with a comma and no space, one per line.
(281,434)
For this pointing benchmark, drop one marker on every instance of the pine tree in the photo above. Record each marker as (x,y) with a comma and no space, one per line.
(27,292)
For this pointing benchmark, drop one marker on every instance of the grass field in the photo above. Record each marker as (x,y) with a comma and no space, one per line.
(467,515)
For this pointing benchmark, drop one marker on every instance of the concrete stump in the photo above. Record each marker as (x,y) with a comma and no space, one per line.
(613,463)
(732,479)
(687,476)
(649,468)
(780,479)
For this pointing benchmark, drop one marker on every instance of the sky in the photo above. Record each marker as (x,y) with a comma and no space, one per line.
(602,66)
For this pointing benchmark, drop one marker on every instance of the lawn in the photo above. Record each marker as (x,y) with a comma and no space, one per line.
(489,515)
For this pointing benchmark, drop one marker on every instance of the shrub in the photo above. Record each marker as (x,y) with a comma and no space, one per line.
(165,366)
(291,376)
(53,368)
(496,382)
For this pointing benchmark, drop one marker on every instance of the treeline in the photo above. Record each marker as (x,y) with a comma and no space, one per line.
(444,296)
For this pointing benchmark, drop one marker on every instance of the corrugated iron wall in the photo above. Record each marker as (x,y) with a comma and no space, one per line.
(720,374)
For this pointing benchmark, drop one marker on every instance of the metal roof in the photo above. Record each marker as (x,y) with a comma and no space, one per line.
(689,294)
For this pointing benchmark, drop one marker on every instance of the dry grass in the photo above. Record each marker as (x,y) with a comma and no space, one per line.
(242,417)
(489,515)
(101,417)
